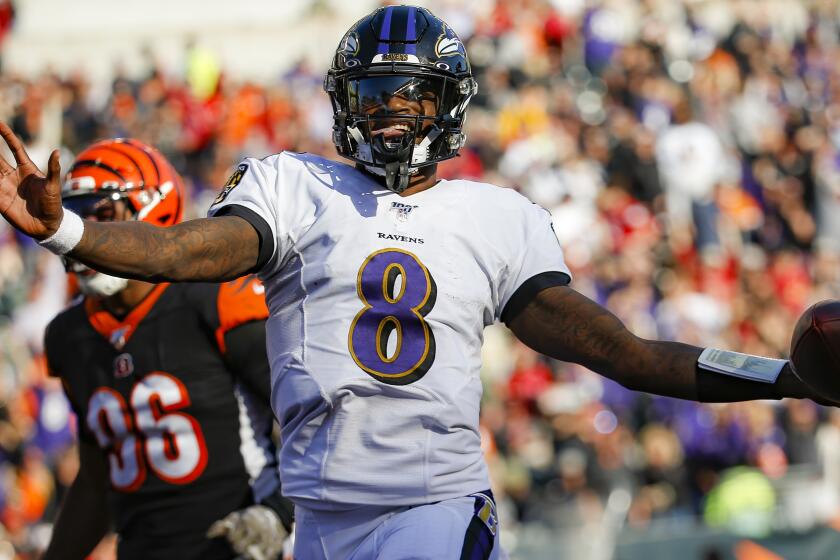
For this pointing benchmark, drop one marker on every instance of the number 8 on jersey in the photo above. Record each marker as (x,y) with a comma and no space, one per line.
(397,292)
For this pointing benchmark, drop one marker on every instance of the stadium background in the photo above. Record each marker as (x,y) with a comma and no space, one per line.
(689,152)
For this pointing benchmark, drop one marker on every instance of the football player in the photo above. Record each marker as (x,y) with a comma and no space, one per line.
(380,279)
(171,387)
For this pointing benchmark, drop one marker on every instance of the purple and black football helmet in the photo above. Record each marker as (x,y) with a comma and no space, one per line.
(399,83)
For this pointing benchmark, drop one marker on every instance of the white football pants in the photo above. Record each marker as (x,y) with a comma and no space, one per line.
(457,529)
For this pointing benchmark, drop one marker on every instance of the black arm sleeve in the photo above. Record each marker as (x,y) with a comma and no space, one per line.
(525,293)
(716,387)
(246,357)
(54,347)
(259,224)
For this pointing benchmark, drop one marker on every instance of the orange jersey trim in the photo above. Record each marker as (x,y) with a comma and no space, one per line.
(240,301)
(117,331)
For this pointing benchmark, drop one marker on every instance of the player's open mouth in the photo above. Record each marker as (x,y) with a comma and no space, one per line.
(393,131)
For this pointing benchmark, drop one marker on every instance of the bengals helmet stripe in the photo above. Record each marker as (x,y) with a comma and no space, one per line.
(116,148)
(143,153)
(99,164)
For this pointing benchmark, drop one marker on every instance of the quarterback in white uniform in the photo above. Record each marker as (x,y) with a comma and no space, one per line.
(378,304)
(380,279)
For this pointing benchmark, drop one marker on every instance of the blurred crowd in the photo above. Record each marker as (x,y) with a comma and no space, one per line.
(690,155)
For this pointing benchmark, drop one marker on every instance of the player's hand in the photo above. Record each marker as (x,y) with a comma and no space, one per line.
(255,533)
(29,200)
(791,385)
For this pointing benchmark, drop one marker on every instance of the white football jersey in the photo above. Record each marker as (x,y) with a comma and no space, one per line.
(378,304)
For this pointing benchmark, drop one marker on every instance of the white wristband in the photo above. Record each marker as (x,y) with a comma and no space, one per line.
(67,236)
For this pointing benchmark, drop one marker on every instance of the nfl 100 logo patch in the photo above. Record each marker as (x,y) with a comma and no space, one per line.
(401,211)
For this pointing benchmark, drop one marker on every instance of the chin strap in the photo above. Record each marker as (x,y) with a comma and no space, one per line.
(395,160)
(396,170)
(396,176)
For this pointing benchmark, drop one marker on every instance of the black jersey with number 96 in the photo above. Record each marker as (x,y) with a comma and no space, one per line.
(187,435)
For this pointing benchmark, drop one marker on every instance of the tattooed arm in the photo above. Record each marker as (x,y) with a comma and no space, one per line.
(207,249)
(568,326)
(202,250)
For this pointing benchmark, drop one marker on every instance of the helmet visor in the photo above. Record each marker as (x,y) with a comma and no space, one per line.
(400,95)
(99,207)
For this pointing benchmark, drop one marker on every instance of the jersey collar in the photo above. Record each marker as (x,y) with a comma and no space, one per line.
(119,331)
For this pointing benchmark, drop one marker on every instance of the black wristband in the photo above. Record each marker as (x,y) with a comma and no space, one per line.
(284,509)
(719,387)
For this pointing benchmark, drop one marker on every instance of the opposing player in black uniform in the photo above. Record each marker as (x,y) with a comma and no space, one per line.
(171,387)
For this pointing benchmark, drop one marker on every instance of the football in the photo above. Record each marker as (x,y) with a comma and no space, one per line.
(815,348)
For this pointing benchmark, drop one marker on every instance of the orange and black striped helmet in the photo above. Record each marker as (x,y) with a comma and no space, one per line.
(124,168)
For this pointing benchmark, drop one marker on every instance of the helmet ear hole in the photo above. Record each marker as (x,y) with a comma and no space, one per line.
(456,140)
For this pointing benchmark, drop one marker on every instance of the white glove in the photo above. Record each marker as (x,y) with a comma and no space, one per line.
(289,545)
(254,533)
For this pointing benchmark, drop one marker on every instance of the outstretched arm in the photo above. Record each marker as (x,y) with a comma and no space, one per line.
(209,249)
(206,249)
(568,326)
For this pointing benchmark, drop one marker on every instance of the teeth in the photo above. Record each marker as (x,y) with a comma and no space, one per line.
(394,130)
